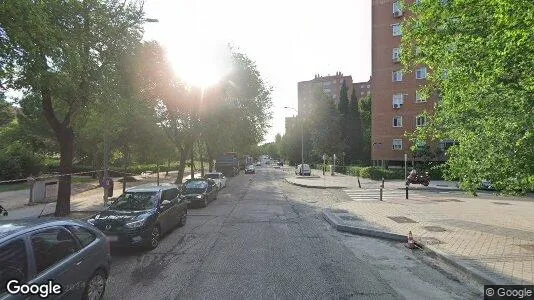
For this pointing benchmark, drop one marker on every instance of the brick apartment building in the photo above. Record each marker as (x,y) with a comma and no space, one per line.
(362,89)
(330,85)
(397,105)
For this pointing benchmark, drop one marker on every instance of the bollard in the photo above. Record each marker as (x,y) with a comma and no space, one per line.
(359,184)
(380,194)
(382,182)
(406,192)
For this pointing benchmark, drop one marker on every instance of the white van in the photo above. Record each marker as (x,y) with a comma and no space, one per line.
(303,170)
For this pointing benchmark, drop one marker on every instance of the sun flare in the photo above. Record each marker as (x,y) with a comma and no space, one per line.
(200,66)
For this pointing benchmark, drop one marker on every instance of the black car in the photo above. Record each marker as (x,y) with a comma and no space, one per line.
(250,169)
(199,191)
(71,254)
(141,215)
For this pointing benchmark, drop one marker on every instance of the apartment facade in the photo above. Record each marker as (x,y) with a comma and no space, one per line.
(330,85)
(397,104)
(362,89)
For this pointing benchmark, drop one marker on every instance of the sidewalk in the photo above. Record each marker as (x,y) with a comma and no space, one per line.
(91,200)
(341,181)
(493,237)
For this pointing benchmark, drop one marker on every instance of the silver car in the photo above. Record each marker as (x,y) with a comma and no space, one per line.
(65,259)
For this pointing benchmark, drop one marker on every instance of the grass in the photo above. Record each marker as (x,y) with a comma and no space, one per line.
(13,187)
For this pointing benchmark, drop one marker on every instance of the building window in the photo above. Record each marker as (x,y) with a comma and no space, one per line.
(368,92)
(326,83)
(419,97)
(397,144)
(396,28)
(397,121)
(362,86)
(397,9)
(327,90)
(398,100)
(368,86)
(397,76)
(420,121)
(420,73)
(361,93)
(396,54)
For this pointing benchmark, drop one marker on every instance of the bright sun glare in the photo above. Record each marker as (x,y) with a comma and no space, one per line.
(200,65)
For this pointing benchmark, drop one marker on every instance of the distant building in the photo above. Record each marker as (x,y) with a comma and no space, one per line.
(290,123)
(330,85)
(362,89)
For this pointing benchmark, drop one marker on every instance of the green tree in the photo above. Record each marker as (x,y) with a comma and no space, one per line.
(6,111)
(364,107)
(482,59)
(354,138)
(343,107)
(325,128)
(67,52)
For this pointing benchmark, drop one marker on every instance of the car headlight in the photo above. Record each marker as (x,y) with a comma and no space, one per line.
(199,196)
(135,224)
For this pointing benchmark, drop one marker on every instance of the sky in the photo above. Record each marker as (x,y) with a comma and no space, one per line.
(290,41)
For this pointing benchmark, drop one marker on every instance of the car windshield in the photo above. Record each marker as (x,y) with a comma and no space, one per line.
(135,201)
(196,186)
(212,176)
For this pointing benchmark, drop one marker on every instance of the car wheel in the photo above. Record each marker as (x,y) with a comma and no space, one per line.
(155,236)
(183,220)
(95,286)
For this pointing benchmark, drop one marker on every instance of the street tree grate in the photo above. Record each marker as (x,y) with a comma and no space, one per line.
(501,203)
(402,220)
(429,241)
(350,218)
(529,247)
(434,228)
(339,211)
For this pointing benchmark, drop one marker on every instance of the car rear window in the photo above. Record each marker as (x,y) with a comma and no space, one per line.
(13,262)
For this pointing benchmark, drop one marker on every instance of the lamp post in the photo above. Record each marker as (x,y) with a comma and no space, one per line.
(301,135)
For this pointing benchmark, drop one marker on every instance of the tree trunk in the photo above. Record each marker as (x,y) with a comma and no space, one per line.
(201,157)
(210,157)
(181,167)
(66,146)
(192,164)
(168,165)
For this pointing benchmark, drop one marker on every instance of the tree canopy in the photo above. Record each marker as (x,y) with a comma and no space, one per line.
(481,57)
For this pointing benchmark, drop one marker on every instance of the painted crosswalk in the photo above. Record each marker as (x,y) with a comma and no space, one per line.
(374,194)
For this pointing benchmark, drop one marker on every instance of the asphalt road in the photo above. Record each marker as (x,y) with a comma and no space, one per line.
(265,239)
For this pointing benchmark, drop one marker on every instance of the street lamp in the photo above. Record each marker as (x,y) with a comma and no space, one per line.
(301,135)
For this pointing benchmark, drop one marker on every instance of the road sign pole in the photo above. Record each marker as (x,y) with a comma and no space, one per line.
(405,165)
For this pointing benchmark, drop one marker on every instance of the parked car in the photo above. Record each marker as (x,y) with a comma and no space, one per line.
(141,215)
(218,177)
(303,170)
(250,169)
(199,191)
(258,164)
(73,254)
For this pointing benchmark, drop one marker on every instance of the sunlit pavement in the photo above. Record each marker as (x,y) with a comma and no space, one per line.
(265,239)
(493,235)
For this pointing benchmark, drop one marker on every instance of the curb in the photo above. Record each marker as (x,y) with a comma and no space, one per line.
(340,225)
(314,186)
(476,274)
(480,277)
